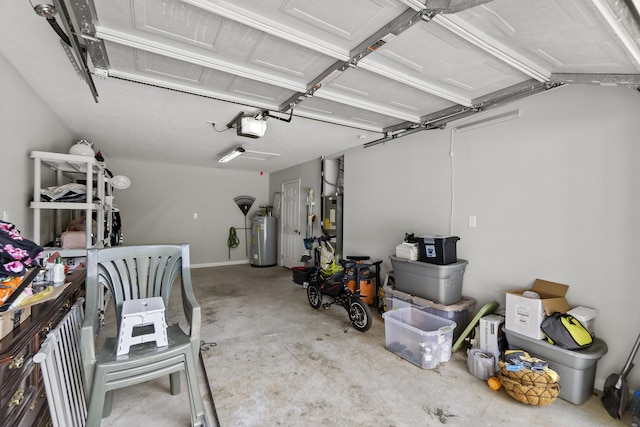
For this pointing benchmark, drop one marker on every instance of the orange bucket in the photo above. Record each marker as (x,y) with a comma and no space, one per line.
(367,290)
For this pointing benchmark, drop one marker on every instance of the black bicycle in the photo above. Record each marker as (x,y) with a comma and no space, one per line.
(329,280)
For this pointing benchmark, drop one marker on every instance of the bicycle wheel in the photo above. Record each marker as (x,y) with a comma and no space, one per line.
(314,295)
(360,315)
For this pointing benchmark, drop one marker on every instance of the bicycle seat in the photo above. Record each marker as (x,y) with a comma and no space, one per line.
(347,263)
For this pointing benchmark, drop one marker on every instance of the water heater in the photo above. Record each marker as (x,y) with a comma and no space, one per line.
(264,241)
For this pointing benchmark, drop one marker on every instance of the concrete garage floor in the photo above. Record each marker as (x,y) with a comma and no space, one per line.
(278,362)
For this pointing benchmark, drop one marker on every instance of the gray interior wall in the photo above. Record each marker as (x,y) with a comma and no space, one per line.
(26,124)
(159,207)
(554,193)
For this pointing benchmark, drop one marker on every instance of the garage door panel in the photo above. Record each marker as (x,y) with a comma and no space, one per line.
(433,56)
(560,35)
(391,95)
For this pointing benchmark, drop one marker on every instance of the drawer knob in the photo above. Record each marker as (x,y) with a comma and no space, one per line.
(47,328)
(17,398)
(17,362)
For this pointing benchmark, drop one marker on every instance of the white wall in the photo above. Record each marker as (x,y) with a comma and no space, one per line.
(162,200)
(554,193)
(26,124)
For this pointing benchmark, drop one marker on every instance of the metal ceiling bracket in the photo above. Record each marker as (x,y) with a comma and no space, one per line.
(72,59)
(492,100)
(267,113)
(443,6)
(84,13)
(79,50)
(391,137)
(440,119)
(433,120)
(101,73)
(452,6)
(626,80)
(385,34)
(624,23)
(234,121)
(512,93)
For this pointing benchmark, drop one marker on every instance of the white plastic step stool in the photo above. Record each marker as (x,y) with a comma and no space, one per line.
(142,312)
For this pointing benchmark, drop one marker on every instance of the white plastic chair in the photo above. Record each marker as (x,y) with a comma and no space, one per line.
(135,272)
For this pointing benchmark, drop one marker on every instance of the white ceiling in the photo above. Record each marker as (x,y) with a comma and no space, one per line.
(353,72)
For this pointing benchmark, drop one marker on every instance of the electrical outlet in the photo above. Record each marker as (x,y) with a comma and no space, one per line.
(5,216)
(472,221)
(195,215)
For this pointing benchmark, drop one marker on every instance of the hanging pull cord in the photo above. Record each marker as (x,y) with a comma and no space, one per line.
(232,241)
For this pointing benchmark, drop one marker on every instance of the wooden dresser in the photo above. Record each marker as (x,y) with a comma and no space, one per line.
(23,401)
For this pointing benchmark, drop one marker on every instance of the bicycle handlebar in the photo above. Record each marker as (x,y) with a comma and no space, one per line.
(319,239)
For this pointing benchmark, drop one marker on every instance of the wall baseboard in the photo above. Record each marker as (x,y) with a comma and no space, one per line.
(220,264)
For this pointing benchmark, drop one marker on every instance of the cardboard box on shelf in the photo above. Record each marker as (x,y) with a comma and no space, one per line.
(11,319)
(524,314)
(15,316)
(74,239)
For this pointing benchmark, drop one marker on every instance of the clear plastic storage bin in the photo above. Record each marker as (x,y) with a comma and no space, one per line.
(461,312)
(422,338)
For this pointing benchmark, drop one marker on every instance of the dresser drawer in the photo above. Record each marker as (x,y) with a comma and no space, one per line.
(56,314)
(43,418)
(23,400)
(35,408)
(17,399)
(13,371)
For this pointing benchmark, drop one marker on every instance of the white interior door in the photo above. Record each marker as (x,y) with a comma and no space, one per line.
(292,244)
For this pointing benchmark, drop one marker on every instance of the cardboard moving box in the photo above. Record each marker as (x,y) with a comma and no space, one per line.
(524,314)
(12,319)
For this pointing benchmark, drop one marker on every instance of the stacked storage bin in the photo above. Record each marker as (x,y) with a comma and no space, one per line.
(432,283)
(437,273)
(461,312)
